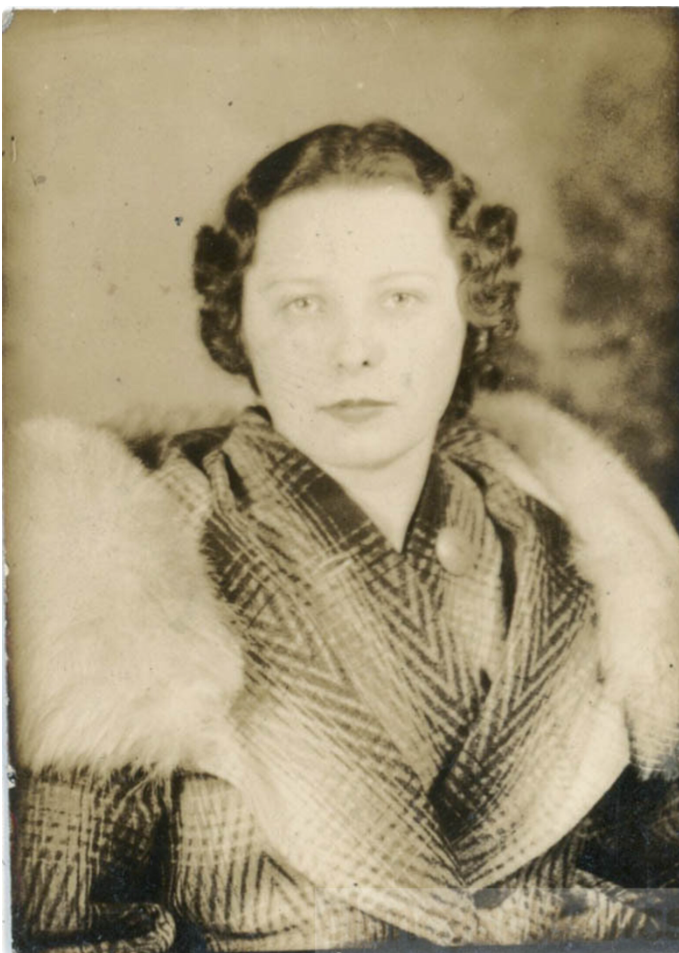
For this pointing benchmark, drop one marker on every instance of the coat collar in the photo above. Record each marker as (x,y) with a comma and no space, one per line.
(254,448)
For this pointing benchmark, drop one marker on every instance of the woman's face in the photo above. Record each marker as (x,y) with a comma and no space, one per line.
(351,321)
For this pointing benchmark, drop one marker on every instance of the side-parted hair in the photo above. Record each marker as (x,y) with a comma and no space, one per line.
(482,237)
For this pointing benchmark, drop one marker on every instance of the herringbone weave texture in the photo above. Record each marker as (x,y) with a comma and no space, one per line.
(394,718)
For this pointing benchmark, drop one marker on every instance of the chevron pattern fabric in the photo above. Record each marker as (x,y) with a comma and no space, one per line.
(396,719)
(83,861)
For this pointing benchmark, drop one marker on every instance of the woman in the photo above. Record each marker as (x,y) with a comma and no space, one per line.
(363,661)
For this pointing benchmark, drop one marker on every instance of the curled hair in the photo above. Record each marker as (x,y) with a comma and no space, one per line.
(482,237)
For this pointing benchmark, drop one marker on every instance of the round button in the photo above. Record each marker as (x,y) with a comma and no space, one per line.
(453,552)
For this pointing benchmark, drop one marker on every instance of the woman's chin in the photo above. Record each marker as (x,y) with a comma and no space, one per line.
(356,441)
(373,452)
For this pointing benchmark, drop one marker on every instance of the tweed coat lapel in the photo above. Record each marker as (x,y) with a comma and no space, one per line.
(363,811)
(352,596)
(494,818)
(545,706)
(331,784)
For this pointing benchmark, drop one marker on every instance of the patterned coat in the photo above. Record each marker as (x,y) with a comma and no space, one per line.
(242,716)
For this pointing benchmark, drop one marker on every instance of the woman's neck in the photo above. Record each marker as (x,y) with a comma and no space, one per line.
(389,494)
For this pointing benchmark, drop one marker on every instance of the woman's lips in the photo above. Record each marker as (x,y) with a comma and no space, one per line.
(356,411)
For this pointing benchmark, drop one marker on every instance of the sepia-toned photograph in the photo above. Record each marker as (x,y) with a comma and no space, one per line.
(341,456)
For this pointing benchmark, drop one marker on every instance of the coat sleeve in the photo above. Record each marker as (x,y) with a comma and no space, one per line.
(632,836)
(591,912)
(87,857)
(555,899)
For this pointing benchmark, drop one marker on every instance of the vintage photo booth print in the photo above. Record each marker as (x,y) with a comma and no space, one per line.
(168,790)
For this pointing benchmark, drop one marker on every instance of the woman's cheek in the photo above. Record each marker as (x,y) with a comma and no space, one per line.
(288,375)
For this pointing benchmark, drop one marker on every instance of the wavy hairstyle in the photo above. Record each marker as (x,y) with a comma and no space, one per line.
(482,238)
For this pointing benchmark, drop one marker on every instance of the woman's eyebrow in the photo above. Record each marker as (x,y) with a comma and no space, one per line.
(301,280)
(401,275)
(311,280)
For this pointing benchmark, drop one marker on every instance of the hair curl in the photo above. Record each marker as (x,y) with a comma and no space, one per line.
(483,238)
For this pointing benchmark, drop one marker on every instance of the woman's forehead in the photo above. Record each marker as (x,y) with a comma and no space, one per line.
(387,223)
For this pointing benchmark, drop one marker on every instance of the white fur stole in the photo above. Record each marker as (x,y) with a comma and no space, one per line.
(118,651)
(625,546)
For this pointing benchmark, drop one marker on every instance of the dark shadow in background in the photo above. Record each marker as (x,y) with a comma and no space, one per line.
(615,360)
(618,197)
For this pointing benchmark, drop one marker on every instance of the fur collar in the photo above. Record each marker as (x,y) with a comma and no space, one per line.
(120,654)
(624,545)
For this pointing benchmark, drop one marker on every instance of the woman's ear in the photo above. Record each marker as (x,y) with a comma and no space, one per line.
(476,305)
(465,299)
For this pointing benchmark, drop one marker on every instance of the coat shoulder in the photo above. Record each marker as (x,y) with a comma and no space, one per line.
(120,652)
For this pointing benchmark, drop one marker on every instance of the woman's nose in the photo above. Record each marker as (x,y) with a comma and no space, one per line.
(356,345)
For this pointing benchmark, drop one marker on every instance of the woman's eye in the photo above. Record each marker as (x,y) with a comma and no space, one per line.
(303,304)
(401,300)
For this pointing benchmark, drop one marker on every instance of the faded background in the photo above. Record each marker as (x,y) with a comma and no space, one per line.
(124,130)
